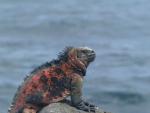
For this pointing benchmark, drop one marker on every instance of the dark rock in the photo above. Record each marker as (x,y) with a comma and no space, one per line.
(64,108)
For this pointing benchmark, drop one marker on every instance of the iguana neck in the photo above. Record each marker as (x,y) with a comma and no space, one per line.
(73,66)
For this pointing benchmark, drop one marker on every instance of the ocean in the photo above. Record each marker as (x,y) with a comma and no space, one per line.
(33,32)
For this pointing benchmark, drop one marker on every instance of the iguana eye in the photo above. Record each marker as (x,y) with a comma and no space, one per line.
(84,51)
(81,54)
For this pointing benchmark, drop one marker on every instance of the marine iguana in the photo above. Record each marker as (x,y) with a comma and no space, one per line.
(54,81)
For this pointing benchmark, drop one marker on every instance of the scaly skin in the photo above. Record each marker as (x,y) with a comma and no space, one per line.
(53,82)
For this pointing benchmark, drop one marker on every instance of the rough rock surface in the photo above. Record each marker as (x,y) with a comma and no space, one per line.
(64,108)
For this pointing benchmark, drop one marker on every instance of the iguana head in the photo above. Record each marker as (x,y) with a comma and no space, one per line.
(79,57)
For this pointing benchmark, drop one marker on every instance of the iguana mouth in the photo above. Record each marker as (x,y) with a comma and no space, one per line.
(91,56)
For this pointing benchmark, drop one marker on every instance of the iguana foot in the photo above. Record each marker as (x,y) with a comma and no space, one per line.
(85,106)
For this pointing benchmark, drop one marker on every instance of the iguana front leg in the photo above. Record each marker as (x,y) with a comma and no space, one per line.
(76,95)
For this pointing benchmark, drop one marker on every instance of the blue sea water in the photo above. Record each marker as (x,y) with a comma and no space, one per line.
(33,32)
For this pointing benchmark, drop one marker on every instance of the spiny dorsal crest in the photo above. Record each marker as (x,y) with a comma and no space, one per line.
(63,55)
